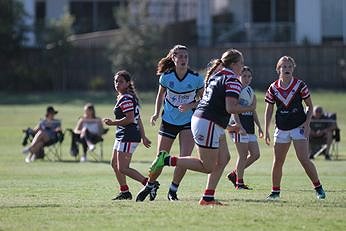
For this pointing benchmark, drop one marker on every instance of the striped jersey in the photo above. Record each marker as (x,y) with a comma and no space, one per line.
(290,112)
(130,132)
(178,92)
(212,106)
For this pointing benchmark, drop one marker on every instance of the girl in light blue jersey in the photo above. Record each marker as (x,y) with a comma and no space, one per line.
(178,93)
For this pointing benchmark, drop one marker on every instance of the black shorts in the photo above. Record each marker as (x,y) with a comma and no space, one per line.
(171,130)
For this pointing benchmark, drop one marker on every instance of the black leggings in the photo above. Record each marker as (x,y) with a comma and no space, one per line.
(76,139)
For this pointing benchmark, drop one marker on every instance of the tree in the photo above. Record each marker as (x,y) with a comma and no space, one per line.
(12,36)
(58,49)
(136,44)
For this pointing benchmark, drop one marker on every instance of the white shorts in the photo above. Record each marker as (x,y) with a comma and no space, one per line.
(206,133)
(285,136)
(246,138)
(128,147)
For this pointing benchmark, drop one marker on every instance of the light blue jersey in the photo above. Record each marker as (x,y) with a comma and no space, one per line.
(178,92)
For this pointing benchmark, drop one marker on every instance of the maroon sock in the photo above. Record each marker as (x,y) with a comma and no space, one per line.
(209,195)
(124,188)
(317,184)
(144,182)
(173,161)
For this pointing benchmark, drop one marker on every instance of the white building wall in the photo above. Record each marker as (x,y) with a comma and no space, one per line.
(55,9)
(29,7)
(241,10)
(332,18)
(344,20)
(308,21)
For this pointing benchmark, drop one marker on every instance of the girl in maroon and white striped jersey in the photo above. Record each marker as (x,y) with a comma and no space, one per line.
(292,123)
(210,119)
(129,133)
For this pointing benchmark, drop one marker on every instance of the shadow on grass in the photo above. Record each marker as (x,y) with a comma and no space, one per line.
(70,97)
(259,201)
(57,97)
(93,161)
(30,206)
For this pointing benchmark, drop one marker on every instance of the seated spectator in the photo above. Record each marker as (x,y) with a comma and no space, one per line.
(88,132)
(45,133)
(322,126)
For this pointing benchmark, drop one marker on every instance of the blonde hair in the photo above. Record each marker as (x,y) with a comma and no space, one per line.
(166,63)
(92,108)
(228,57)
(282,59)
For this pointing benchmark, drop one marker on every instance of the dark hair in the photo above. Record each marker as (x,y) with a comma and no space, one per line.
(228,57)
(246,68)
(131,88)
(51,110)
(167,63)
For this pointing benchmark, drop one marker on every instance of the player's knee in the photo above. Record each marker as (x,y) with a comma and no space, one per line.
(123,169)
(209,167)
(255,156)
(114,164)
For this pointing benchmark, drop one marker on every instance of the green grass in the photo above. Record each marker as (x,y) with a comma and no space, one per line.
(72,196)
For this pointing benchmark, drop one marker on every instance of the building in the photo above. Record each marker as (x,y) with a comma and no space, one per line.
(250,21)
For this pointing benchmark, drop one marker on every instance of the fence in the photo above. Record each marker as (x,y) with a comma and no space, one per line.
(320,66)
(88,68)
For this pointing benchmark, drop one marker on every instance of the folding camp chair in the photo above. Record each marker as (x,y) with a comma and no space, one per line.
(318,145)
(51,150)
(96,153)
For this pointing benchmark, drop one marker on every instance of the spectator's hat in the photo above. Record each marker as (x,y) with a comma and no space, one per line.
(51,110)
(318,109)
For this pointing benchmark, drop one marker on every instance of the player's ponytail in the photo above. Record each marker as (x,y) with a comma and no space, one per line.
(228,57)
(213,65)
(166,63)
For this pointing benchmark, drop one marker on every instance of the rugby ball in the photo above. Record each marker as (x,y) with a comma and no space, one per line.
(246,96)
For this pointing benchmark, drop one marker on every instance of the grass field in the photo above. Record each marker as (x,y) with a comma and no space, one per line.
(68,195)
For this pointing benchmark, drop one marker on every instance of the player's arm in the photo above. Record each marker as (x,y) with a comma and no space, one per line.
(309,109)
(78,127)
(158,104)
(257,122)
(238,124)
(129,118)
(268,113)
(233,106)
(190,106)
(145,140)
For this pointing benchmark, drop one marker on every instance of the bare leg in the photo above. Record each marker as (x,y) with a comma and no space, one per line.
(164,143)
(123,165)
(186,143)
(37,143)
(280,153)
(254,154)
(120,177)
(223,159)
(242,149)
(302,152)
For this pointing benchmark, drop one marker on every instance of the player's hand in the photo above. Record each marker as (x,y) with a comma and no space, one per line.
(184,107)
(107,121)
(153,119)
(146,142)
(306,131)
(260,133)
(253,105)
(267,138)
(233,127)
